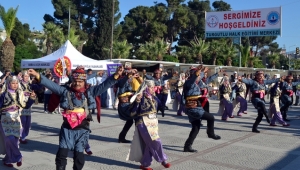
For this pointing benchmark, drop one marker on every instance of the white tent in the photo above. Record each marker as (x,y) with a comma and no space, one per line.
(69,51)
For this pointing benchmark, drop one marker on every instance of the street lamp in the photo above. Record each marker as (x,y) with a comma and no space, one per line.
(290,56)
(267,66)
(282,67)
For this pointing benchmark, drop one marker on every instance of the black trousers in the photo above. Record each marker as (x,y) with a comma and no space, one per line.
(125,129)
(261,111)
(206,107)
(61,159)
(196,127)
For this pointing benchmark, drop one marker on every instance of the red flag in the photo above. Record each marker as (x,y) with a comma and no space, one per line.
(98,105)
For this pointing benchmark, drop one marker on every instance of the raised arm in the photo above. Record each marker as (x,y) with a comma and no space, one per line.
(99,89)
(55,88)
(212,78)
(271,81)
(295,83)
(248,82)
(167,77)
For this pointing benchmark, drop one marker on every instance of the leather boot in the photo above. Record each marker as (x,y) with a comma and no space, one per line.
(60,167)
(188,148)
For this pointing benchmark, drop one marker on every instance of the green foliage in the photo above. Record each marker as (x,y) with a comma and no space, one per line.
(170,58)
(121,49)
(27,50)
(103,32)
(21,33)
(154,50)
(8,19)
(1,41)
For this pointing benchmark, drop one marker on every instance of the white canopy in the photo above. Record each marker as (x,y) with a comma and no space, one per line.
(69,51)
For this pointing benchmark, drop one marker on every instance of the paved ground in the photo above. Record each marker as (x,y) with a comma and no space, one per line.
(274,148)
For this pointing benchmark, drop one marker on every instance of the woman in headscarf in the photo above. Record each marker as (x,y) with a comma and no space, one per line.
(27,89)
(180,84)
(144,111)
(225,92)
(12,101)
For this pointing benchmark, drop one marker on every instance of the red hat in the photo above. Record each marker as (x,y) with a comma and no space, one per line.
(79,73)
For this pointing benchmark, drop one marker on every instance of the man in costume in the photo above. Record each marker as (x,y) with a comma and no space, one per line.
(77,102)
(124,93)
(146,141)
(191,95)
(160,90)
(287,95)
(258,89)
(12,101)
(203,84)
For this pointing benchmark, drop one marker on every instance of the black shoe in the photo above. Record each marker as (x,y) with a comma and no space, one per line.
(287,120)
(58,167)
(166,108)
(215,137)
(124,141)
(255,131)
(201,124)
(189,149)
(163,113)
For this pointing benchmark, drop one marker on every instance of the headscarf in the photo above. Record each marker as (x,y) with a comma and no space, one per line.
(20,98)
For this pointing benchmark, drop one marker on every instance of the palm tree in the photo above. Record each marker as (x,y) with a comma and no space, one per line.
(228,52)
(214,49)
(53,36)
(245,54)
(184,54)
(7,50)
(273,59)
(156,49)
(121,49)
(251,60)
(199,47)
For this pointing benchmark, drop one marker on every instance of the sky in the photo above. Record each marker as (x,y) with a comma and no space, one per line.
(32,12)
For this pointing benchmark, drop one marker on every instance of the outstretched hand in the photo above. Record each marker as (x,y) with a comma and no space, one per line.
(32,72)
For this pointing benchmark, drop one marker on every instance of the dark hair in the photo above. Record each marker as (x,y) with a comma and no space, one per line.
(48,76)
(89,70)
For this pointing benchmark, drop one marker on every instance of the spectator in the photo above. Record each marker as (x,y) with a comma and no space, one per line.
(47,94)
(100,79)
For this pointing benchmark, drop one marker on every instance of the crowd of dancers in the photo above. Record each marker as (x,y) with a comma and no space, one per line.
(141,98)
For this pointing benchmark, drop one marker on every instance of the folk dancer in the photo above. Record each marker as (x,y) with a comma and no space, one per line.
(180,84)
(241,90)
(160,90)
(193,108)
(146,141)
(258,89)
(225,92)
(124,93)
(12,101)
(27,88)
(274,110)
(77,102)
(287,95)
(204,85)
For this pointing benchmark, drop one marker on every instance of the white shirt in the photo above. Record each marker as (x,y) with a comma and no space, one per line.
(101,79)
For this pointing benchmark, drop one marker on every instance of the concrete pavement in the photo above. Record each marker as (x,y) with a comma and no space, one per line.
(275,148)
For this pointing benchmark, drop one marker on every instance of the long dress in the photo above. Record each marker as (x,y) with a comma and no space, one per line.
(146,141)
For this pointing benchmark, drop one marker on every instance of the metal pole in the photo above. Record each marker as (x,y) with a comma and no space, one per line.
(240,55)
(112,29)
(69,22)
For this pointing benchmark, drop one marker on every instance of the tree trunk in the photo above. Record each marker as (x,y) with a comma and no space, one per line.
(49,47)
(229,61)
(159,58)
(7,54)
(214,59)
(200,59)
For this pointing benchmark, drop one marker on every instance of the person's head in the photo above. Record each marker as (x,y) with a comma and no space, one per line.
(182,76)
(79,78)
(259,76)
(275,77)
(48,76)
(157,73)
(226,80)
(101,73)
(25,76)
(89,71)
(150,87)
(235,74)
(7,72)
(240,78)
(13,83)
(194,70)
(248,76)
(289,79)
